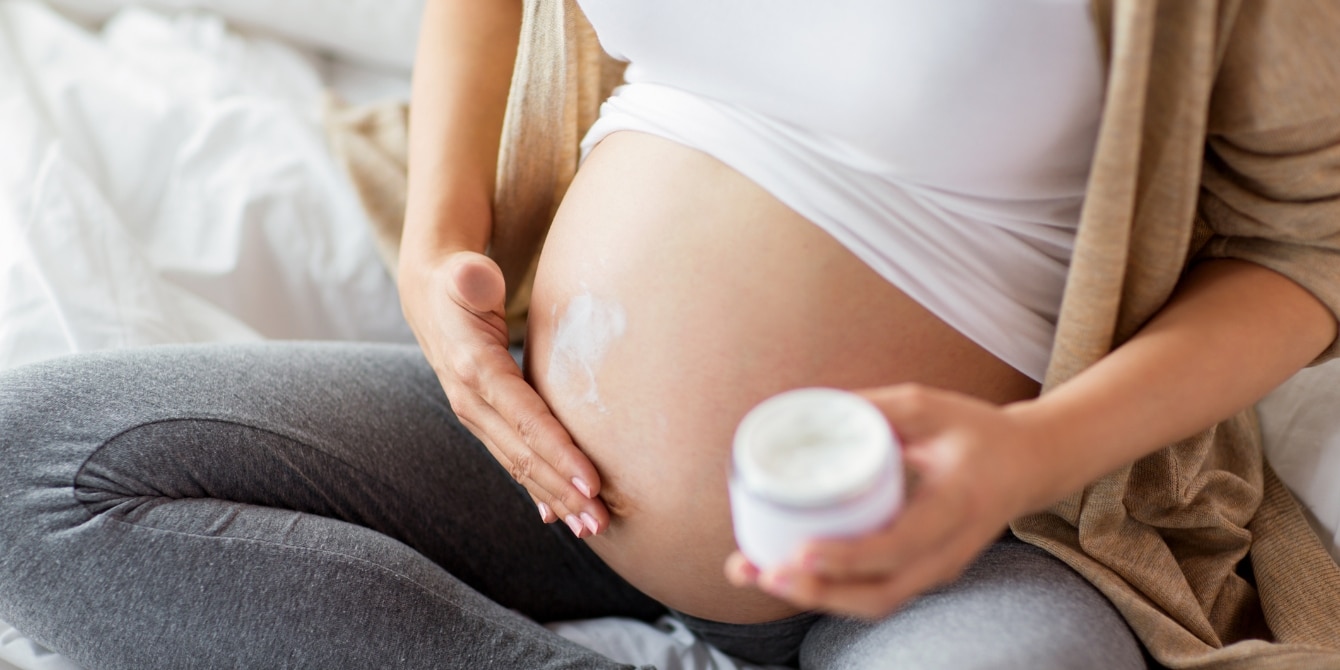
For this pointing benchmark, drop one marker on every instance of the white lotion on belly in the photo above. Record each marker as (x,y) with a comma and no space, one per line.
(811,463)
(586,331)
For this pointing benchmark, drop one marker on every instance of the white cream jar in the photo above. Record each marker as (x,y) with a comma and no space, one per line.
(809,463)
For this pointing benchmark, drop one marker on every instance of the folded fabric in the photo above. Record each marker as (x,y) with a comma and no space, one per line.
(1300,428)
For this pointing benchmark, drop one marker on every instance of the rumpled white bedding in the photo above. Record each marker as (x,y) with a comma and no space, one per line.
(165,179)
(168,181)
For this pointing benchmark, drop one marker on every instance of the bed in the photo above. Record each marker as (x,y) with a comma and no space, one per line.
(165,178)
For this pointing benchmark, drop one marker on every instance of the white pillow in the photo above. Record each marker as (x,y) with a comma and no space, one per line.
(1300,423)
(380,32)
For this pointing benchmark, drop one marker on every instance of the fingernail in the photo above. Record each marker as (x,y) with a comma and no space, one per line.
(574,524)
(750,572)
(582,486)
(777,584)
(544,511)
(590,522)
(812,563)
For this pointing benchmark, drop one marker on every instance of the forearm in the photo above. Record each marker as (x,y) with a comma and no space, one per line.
(1231,333)
(463,70)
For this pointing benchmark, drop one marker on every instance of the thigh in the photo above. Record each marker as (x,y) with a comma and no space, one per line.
(352,432)
(1016,607)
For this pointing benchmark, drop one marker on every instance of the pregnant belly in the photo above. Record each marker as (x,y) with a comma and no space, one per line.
(672,295)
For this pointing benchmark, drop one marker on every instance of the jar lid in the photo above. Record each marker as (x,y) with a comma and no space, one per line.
(812,447)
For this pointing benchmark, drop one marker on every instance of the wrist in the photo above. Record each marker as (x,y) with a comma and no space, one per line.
(444,220)
(1048,444)
(419,262)
(427,245)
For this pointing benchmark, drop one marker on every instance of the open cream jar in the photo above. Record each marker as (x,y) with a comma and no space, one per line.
(810,463)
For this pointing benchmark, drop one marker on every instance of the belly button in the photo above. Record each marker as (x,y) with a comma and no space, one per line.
(620,505)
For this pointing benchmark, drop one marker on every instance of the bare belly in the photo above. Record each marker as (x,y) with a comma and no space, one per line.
(672,295)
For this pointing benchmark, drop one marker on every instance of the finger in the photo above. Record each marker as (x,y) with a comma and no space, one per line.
(496,379)
(535,447)
(477,283)
(582,524)
(868,599)
(546,511)
(547,505)
(549,508)
(912,409)
(925,523)
(739,571)
(585,516)
(516,401)
(556,512)
(876,596)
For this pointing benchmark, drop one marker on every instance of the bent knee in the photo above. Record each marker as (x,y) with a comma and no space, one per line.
(51,422)
(1016,607)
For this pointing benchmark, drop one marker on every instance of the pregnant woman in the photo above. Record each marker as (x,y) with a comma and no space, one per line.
(750,222)
(917,201)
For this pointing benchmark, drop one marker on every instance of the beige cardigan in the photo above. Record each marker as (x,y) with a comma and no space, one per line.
(1163,538)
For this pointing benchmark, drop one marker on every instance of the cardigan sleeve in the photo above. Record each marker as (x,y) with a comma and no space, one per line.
(1271,182)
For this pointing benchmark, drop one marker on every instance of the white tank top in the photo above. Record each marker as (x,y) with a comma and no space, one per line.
(945,143)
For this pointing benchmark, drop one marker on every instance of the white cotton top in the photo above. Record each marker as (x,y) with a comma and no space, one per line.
(946,144)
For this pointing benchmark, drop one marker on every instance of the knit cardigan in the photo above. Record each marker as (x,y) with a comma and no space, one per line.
(1219,138)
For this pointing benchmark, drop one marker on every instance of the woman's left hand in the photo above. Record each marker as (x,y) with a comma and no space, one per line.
(970,474)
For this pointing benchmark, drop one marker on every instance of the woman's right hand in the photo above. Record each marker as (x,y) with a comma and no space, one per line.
(456,308)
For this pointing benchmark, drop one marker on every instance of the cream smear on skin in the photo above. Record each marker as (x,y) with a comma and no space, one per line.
(587,329)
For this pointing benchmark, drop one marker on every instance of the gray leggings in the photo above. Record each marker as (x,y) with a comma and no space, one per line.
(318,505)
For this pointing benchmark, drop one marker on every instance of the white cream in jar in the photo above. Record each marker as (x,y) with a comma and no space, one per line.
(810,463)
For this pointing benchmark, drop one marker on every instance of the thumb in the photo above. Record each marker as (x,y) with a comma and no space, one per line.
(914,411)
(476,283)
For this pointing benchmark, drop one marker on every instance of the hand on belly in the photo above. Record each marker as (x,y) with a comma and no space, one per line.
(672,295)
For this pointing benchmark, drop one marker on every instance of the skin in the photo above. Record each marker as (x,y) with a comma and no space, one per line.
(981,449)
(451,293)
(1232,332)
(729,297)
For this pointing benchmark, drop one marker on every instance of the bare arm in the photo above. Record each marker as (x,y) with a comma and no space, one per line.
(462,73)
(1232,333)
(453,294)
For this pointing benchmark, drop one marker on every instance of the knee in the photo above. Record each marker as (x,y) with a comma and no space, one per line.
(1017,607)
(28,414)
(46,434)
(47,430)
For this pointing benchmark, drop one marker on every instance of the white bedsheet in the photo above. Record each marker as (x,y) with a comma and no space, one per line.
(1300,426)
(168,181)
(165,179)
